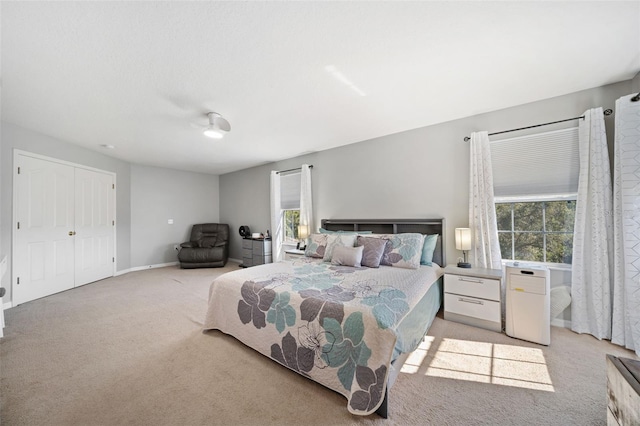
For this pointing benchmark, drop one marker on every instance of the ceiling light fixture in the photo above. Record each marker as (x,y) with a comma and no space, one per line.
(217,127)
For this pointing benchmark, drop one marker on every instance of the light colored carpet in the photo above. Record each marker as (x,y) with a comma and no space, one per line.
(130,350)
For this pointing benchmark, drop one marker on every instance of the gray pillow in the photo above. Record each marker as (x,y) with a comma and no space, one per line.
(373,249)
(346,256)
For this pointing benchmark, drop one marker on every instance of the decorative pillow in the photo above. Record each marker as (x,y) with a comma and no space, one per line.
(316,245)
(373,249)
(347,256)
(403,250)
(336,240)
(428,248)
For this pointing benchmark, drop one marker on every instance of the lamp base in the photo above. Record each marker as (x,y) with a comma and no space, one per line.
(464,265)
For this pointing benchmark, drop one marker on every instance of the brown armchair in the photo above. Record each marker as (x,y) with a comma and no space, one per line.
(208,246)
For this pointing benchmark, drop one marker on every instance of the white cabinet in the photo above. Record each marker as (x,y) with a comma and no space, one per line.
(256,251)
(293,254)
(472,296)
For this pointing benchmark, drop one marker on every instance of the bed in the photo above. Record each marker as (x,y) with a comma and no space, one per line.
(349,328)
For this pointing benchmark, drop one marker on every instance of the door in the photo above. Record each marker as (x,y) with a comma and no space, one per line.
(93,226)
(64,235)
(44,251)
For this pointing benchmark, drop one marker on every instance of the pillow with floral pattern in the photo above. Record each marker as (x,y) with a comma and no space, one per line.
(316,245)
(402,250)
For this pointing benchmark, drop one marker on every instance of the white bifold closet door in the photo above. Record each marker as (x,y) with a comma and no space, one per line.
(64,227)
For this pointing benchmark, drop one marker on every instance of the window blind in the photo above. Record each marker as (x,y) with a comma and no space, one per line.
(541,165)
(290,191)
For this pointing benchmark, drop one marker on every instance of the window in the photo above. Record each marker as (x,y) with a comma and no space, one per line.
(535,185)
(290,205)
(290,222)
(536,231)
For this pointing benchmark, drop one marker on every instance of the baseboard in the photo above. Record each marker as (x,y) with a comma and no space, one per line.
(7,305)
(234,260)
(557,322)
(142,268)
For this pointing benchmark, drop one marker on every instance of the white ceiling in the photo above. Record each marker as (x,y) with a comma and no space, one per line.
(290,76)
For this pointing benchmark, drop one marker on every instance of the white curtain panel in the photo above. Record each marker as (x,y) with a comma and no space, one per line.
(482,211)
(306,203)
(592,266)
(626,223)
(276,217)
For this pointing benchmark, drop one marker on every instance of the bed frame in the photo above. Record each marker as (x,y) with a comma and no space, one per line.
(393,226)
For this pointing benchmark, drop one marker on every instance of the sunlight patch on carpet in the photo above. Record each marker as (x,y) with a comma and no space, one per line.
(482,362)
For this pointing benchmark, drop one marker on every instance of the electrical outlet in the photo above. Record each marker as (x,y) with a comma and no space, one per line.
(176,247)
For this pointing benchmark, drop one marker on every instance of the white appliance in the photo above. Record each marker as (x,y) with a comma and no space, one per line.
(528,303)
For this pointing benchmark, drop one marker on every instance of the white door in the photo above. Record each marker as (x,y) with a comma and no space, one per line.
(44,251)
(93,226)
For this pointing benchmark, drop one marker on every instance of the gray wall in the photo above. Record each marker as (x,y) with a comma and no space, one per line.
(415,174)
(159,194)
(145,198)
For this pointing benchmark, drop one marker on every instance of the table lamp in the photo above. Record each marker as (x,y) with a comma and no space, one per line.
(303,234)
(463,242)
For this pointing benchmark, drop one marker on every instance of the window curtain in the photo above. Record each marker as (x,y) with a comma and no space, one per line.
(276,217)
(626,223)
(482,210)
(306,204)
(592,271)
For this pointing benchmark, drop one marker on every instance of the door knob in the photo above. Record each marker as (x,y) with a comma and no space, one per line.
(72,233)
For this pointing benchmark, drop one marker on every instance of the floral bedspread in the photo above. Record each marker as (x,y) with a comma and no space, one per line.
(333,324)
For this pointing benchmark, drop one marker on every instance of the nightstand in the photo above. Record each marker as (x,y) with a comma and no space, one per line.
(293,254)
(472,296)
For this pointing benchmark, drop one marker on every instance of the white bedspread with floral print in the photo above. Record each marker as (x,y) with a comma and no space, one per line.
(333,324)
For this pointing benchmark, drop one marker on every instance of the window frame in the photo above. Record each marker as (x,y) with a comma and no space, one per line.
(544,232)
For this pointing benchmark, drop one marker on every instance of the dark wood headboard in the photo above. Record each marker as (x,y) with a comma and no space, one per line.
(393,226)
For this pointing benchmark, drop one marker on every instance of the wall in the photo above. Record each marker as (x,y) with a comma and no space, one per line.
(419,173)
(14,137)
(159,194)
(145,198)
(414,174)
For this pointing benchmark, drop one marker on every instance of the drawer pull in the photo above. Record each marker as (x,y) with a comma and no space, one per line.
(476,302)
(469,280)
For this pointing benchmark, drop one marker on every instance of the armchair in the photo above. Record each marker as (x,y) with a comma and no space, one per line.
(208,246)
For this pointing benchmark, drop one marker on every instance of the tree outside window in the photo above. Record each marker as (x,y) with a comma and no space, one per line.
(536,231)
(291,220)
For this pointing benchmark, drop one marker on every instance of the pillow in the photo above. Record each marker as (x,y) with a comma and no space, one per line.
(336,240)
(403,250)
(347,256)
(316,246)
(373,249)
(428,248)
(437,254)
(326,231)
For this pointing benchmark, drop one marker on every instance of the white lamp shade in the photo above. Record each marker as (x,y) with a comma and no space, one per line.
(303,231)
(463,239)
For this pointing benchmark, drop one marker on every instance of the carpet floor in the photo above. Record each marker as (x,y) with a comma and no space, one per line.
(130,350)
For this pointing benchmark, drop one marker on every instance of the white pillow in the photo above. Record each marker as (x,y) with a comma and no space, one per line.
(338,240)
(347,256)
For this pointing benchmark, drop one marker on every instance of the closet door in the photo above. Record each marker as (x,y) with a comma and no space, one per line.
(43,255)
(94,225)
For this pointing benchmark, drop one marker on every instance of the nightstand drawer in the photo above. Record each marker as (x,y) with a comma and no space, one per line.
(472,307)
(483,288)
(247,244)
(247,252)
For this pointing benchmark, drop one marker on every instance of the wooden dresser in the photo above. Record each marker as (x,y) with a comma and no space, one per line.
(623,391)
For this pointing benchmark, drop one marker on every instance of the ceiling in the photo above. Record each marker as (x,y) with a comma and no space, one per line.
(292,77)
